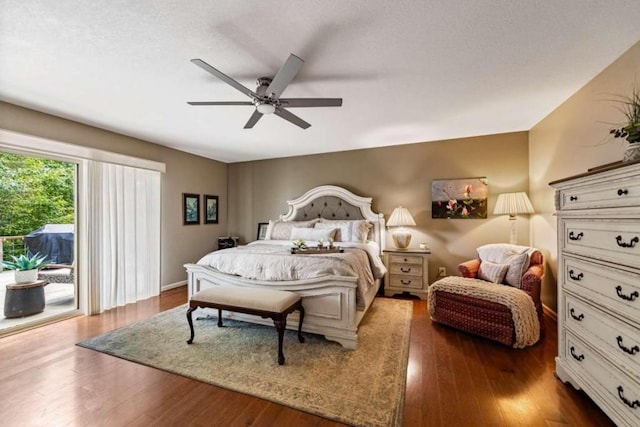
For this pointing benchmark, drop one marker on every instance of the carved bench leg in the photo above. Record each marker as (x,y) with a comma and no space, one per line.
(301,309)
(219,318)
(281,324)
(190,320)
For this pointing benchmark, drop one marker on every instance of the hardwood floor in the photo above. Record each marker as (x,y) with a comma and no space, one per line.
(453,379)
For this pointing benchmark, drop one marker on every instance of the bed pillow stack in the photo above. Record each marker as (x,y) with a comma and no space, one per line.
(313,234)
(347,230)
(281,230)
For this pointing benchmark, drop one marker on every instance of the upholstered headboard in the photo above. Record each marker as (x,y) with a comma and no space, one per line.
(333,202)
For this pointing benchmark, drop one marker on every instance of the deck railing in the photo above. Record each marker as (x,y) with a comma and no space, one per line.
(11,245)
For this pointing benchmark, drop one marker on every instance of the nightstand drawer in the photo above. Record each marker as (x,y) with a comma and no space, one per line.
(406,282)
(406,269)
(408,259)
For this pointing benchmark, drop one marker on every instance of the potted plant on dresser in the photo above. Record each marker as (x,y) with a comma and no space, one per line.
(630,130)
(26,296)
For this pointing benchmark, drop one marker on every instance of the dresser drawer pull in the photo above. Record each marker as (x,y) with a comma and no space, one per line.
(405,282)
(405,260)
(576,236)
(626,401)
(579,358)
(573,198)
(631,297)
(622,192)
(578,317)
(405,270)
(631,243)
(633,350)
(576,278)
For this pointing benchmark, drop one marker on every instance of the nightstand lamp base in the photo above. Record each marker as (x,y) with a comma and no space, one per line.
(401,238)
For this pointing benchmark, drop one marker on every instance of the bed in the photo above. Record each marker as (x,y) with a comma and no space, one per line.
(334,303)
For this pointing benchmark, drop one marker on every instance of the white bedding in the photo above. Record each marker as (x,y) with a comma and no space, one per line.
(272,260)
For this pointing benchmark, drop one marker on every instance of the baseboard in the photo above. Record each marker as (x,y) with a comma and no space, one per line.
(173,285)
(550,313)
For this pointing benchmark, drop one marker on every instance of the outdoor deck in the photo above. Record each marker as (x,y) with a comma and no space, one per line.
(59,299)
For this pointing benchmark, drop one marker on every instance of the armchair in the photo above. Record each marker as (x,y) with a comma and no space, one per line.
(497,297)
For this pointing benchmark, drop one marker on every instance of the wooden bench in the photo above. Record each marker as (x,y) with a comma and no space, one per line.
(260,302)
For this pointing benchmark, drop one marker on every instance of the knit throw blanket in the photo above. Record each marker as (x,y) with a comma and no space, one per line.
(523,310)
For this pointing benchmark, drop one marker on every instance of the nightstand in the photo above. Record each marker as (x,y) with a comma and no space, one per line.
(407,272)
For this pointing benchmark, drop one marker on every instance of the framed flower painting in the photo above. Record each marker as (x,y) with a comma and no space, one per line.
(459,198)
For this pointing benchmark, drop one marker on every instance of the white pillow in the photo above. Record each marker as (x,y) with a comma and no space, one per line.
(312,233)
(492,272)
(348,230)
(517,257)
(281,230)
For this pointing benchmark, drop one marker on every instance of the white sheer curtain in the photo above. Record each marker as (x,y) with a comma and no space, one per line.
(124,235)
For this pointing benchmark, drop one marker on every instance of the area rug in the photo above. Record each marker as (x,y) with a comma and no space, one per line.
(362,387)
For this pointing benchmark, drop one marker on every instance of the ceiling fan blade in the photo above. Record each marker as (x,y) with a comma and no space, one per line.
(221,103)
(284,76)
(253,119)
(310,102)
(228,80)
(281,112)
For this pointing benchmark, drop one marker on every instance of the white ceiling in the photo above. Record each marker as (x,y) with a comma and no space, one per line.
(408,71)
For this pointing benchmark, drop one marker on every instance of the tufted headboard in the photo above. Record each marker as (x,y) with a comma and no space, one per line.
(333,202)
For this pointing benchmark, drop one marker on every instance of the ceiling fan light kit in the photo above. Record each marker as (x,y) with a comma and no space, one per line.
(266,98)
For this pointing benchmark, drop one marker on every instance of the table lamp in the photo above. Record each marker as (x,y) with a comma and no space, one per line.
(400,217)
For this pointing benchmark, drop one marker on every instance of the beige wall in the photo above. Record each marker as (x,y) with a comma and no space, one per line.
(392,176)
(570,140)
(185,173)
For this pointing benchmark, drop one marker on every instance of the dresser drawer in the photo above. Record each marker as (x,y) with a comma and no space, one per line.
(406,282)
(604,382)
(399,259)
(616,241)
(622,193)
(613,288)
(406,269)
(613,337)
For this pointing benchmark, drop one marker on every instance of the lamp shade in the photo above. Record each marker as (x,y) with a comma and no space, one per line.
(400,217)
(512,204)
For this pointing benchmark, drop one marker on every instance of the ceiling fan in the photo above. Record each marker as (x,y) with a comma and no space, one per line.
(266,98)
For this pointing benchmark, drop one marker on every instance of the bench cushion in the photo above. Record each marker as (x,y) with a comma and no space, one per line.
(251,298)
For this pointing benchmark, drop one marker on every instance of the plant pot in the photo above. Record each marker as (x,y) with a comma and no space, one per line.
(632,152)
(24,299)
(26,276)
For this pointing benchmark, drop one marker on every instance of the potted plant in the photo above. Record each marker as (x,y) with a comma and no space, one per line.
(26,268)
(630,131)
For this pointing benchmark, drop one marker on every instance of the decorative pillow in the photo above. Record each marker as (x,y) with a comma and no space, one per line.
(281,230)
(517,257)
(312,233)
(348,230)
(492,272)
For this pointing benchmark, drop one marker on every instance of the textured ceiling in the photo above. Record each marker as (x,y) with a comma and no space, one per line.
(408,71)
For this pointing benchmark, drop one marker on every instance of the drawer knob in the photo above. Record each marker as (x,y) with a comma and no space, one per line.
(577,277)
(579,357)
(405,260)
(630,297)
(631,243)
(405,282)
(573,236)
(626,401)
(633,350)
(579,317)
(622,192)
(405,270)
(573,198)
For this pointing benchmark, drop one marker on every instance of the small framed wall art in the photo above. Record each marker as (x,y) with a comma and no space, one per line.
(459,198)
(210,209)
(190,209)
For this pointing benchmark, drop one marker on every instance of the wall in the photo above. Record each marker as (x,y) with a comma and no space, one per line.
(185,173)
(570,140)
(396,175)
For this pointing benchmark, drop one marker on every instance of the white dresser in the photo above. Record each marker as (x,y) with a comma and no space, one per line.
(599,287)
